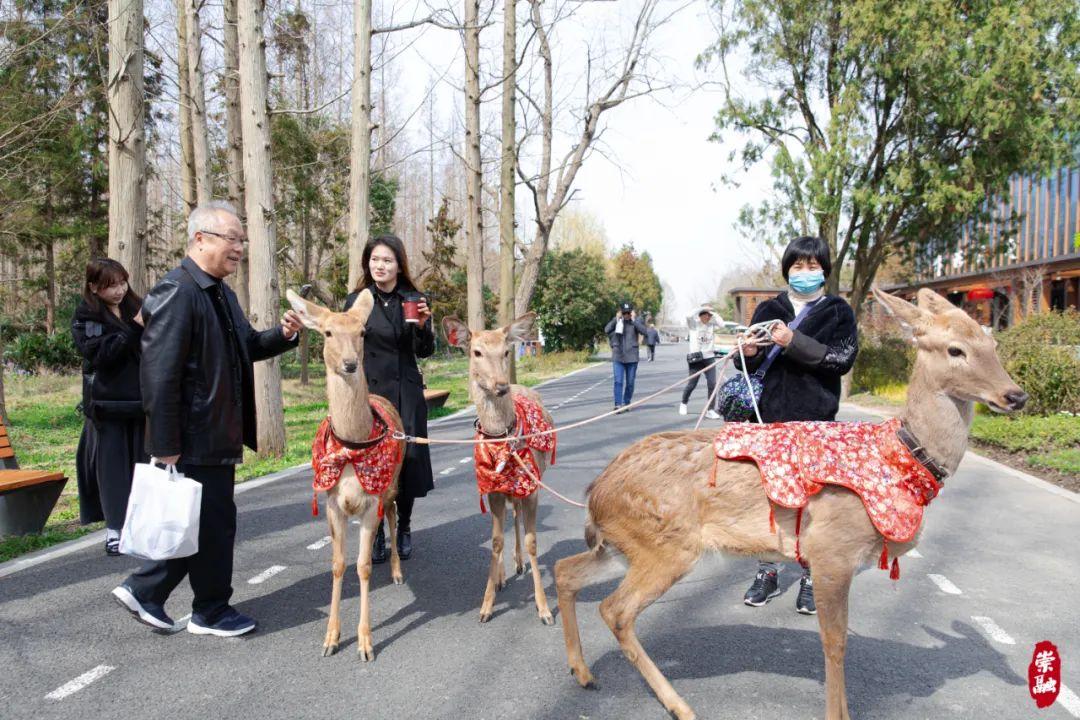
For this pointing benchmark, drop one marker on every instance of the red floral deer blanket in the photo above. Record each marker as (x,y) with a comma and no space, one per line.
(797,459)
(510,468)
(373,461)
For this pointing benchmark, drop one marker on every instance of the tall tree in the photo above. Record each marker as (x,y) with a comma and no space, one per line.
(200,143)
(508,174)
(234,150)
(127,147)
(360,155)
(633,278)
(887,125)
(261,220)
(474,180)
(553,181)
(187,152)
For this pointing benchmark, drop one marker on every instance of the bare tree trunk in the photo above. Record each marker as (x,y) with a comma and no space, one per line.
(187,156)
(360,166)
(262,231)
(200,145)
(127,148)
(508,173)
(474,225)
(3,401)
(50,287)
(234,156)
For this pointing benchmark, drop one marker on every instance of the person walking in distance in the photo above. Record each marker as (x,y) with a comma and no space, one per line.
(803,381)
(107,330)
(198,392)
(625,332)
(393,340)
(702,354)
(652,339)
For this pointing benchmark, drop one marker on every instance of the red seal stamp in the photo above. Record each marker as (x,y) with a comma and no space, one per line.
(1044,674)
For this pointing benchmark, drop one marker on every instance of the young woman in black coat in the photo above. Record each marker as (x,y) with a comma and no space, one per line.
(107,330)
(803,382)
(391,347)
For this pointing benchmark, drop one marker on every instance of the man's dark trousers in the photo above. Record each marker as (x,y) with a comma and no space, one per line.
(210,568)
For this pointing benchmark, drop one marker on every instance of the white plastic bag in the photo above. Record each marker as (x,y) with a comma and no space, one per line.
(162,519)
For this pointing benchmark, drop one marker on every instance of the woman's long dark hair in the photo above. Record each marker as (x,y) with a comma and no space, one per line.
(104,273)
(397,247)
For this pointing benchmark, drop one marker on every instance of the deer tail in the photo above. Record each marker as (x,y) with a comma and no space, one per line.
(593,537)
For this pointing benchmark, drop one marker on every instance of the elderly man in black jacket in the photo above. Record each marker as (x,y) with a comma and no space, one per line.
(198,394)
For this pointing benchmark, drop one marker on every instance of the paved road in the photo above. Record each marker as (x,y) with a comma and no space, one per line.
(1006,548)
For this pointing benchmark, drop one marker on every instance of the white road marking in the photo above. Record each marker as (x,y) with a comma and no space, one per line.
(914,553)
(80,682)
(993,630)
(447,471)
(465,461)
(945,585)
(319,544)
(1068,700)
(266,574)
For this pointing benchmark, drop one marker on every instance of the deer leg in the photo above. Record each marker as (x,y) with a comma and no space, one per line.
(529,505)
(519,563)
(494,581)
(395,560)
(832,584)
(338,522)
(571,575)
(364,648)
(639,589)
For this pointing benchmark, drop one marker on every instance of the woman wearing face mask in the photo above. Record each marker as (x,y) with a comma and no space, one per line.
(391,346)
(107,329)
(803,382)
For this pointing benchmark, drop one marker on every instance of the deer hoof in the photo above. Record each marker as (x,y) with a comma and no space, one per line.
(585,679)
(520,569)
(682,712)
(399,580)
(329,650)
(546,618)
(365,654)
(485,616)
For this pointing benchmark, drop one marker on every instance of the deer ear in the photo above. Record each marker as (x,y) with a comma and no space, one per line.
(521,329)
(310,313)
(362,307)
(908,314)
(931,301)
(457,332)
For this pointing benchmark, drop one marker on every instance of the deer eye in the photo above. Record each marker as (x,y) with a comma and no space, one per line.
(327,333)
(476,353)
(956,352)
(506,354)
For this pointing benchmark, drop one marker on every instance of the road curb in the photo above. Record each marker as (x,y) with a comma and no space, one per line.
(68,547)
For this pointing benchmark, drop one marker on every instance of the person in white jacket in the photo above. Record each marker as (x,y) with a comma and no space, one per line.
(703,327)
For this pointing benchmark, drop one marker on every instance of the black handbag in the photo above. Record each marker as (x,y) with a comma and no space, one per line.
(695,357)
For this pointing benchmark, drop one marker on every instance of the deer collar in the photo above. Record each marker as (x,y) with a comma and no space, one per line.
(919,453)
(495,436)
(365,444)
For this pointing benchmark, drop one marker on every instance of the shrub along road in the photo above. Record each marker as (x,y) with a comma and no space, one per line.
(995,573)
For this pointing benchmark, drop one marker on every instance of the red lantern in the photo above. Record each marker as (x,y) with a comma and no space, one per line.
(980,294)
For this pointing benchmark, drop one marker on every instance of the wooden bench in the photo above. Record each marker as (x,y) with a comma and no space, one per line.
(435,398)
(27,497)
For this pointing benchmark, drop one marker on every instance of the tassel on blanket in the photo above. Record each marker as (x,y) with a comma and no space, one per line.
(381,513)
(483,508)
(883,561)
(715,467)
(772,520)
(894,574)
(314,504)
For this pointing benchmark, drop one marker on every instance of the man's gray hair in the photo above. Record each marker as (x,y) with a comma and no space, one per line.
(206,214)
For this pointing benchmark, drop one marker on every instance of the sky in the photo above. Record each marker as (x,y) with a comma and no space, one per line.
(658,181)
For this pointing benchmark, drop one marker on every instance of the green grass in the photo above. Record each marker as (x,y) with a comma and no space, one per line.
(1065,461)
(1049,443)
(45,429)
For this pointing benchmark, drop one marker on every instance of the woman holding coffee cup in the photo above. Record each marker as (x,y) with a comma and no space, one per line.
(399,330)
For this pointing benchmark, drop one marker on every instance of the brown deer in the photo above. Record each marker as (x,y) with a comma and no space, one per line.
(352,419)
(494,396)
(655,507)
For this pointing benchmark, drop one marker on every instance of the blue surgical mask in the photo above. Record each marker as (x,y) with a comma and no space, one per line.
(805,283)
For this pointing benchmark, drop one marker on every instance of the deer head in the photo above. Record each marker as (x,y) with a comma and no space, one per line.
(958,359)
(489,351)
(343,333)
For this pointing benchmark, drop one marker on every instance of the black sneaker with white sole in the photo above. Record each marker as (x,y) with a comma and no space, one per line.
(765,587)
(804,603)
(147,613)
(230,624)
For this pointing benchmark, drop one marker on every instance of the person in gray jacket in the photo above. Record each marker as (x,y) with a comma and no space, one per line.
(625,332)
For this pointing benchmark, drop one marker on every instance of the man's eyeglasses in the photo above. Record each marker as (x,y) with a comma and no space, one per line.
(230,238)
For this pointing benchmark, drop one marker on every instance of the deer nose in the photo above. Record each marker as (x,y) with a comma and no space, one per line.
(349,366)
(1017,399)
(501,389)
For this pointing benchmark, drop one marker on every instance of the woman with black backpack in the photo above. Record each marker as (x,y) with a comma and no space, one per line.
(107,330)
